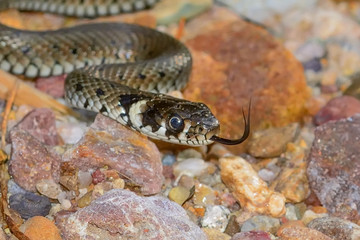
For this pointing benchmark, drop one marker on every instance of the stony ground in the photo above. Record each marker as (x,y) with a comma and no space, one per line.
(297,177)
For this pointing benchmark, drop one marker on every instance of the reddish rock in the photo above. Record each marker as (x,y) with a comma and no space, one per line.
(296,233)
(337,108)
(41,228)
(333,164)
(31,161)
(336,228)
(251,235)
(40,123)
(121,214)
(54,86)
(97,176)
(108,143)
(235,61)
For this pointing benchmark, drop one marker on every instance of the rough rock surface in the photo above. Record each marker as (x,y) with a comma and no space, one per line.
(29,204)
(337,108)
(224,50)
(294,233)
(333,164)
(40,123)
(31,161)
(108,143)
(121,214)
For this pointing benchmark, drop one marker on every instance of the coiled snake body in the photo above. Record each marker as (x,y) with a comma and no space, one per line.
(120,70)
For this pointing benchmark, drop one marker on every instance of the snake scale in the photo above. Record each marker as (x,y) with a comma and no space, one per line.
(120,70)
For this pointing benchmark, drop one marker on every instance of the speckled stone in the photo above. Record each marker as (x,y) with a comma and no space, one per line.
(29,204)
(108,143)
(121,214)
(261,222)
(40,228)
(333,164)
(31,161)
(336,228)
(263,70)
(303,233)
(252,235)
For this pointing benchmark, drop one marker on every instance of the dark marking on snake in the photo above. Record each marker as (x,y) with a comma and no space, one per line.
(103,109)
(86,103)
(100,92)
(142,76)
(161,74)
(79,87)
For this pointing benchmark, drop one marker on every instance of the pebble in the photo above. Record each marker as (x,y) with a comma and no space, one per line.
(215,234)
(127,215)
(98,176)
(30,204)
(310,215)
(40,123)
(118,183)
(71,133)
(40,228)
(262,223)
(216,216)
(70,182)
(188,153)
(232,227)
(49,188)
(252,192)
(204,195)
(85,200)
(310,50)
(31,161)
(84,178)
(336,228)
(337,108)
(291,213)
(333,163)
(179,194)
(252,235)
(294,233)
(193,167)
(108,143)
(273,141)
(168,159)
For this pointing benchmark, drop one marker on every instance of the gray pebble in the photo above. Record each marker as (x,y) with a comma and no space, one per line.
(30,204)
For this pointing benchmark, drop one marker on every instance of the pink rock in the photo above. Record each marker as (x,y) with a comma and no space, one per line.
(337,108)
(31,161)
(121,214)
(53,86)
(97,176)
(252,235)
(40,123)
(108,143)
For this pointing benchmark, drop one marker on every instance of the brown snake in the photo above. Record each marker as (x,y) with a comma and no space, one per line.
(120,70)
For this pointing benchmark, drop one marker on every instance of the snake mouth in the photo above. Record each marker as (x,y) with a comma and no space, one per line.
(245,135)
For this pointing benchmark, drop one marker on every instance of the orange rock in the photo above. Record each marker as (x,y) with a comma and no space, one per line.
(303,233)
(236,61)
(289,224)
(318,209)
(41,228)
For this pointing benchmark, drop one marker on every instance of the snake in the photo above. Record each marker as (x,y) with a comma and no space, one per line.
(123,71)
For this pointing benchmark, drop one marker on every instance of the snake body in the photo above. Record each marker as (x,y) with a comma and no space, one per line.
(120,70)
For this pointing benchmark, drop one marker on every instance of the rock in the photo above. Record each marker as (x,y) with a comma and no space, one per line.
(30,204)
(31,161)
(71,133)
(215,234)
(204,195)
(54,86)
(333,164)
(272,142)
(40,123)
(274,73)
(291,212)
(263,223)
(336,228)
(310,215)
(337,108)
(48,188)
(108,143)
(295,233)
(40,228)
(252,192)
(179,194)
(310,50)
(168,159)
(188,153)
(233,227)
(98,176)
(121,214)
(252,235)
(289,224)
(193,167)
(84,178)
(216,216)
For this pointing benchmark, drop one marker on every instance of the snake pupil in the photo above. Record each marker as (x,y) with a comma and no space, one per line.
(176,123)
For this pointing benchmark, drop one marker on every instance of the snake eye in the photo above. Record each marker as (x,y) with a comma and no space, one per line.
(176,123)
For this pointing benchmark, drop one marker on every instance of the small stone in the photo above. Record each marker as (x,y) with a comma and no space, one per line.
(179,194)
(49,188)
(186,181)
(121,214)
(336,228)
(168,159)
(272,142)
(30,204)
(333,163)
(252,235)
(252,192)
(204,195)
(71,133)
(193,167)
(289,224)
(313,65)
(295,233)
(291,212)
(118,183)
(85,200)
(108,143)
(309,215)
(40,228)
(216,216)
(263,223)
(188,153)
(70,182)
(98,176)
(233,227)
(337,108)
(215,234)
(84,178)
(310,50)
(31,161)
(40,123)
